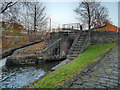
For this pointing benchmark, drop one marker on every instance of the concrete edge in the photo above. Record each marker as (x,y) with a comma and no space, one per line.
(60,64)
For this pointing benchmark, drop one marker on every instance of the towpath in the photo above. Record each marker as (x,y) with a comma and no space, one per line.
(103,75)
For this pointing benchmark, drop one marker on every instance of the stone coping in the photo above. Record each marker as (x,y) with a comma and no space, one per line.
(9,52)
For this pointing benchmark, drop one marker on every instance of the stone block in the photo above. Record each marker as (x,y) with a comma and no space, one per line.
(61,64)
(79,82)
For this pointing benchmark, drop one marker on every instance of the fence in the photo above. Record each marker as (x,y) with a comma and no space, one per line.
(72,26)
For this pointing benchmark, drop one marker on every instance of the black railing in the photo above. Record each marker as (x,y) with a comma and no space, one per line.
(72,26)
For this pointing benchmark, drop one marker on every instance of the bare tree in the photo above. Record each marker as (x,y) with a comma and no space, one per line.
(10,11)
(92,13)
(38,15)
(26,16)
(29,14)
(6,5)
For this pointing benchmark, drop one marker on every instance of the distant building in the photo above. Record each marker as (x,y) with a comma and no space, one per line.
(109,27)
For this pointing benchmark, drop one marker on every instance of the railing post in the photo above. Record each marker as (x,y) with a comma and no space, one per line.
(80,27)
(72,27)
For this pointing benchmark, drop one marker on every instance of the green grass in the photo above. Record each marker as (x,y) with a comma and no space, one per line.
(64,73)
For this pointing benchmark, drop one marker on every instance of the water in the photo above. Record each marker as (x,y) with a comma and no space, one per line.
(19,76)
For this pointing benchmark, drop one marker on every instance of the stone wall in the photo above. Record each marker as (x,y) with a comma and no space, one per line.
(9,52)
(65,45)
(67,41)
(21,60)
(56,35)
(99,37)
(58,49)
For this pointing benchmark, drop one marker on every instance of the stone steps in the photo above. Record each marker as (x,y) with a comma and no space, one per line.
(74,55)
(75,52)
(79,42)
(81,38)
(77,47)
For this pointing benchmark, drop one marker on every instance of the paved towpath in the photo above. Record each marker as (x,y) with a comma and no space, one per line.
(102,75)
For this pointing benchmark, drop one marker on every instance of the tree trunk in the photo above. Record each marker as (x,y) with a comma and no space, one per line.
(35,20)
(89,26)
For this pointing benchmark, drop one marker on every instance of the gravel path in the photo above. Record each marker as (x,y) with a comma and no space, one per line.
(102,75)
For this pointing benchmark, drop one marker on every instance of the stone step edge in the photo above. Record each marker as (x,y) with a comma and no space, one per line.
(60,64)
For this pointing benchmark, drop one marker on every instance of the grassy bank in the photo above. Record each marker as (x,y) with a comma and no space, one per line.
(64,73)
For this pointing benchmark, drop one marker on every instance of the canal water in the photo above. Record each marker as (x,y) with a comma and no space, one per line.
(19,76)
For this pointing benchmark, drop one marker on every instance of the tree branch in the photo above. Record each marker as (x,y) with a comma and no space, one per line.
(7,6)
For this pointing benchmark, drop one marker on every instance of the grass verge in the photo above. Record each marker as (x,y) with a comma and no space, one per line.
(64,73)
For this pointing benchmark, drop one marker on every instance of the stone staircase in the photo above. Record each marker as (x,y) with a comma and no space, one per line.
(78,45)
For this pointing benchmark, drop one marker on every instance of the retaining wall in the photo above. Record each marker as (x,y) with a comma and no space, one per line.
(102,37)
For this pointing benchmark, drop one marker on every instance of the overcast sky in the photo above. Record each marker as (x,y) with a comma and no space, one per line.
(62,12)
